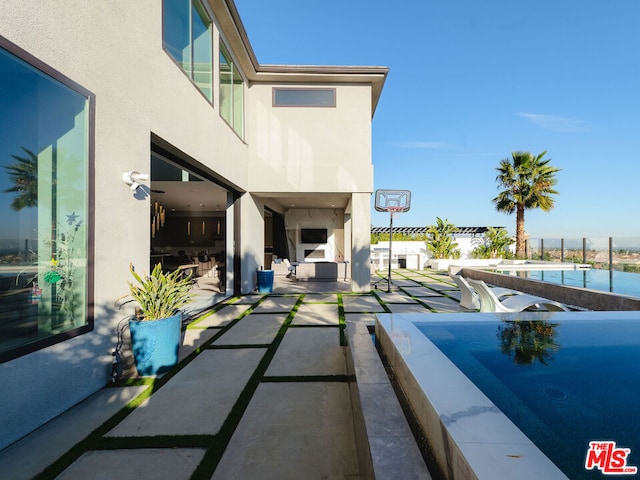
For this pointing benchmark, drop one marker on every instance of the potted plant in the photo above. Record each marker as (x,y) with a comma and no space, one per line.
(156,328)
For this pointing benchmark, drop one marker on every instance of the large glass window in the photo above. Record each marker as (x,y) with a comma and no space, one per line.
(187,37)
(231,92)
(44,174)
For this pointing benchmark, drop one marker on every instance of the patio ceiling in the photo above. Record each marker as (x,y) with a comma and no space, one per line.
(307,200)
(206,196)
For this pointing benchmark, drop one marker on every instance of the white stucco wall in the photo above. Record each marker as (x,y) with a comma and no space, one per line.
(360,213)
(311,149)
(114,50)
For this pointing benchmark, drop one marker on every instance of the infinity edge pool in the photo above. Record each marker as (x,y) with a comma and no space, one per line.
(470,436)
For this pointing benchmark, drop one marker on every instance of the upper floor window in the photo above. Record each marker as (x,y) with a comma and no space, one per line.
(44,206)
(231,92)
(304,97)
(187,37)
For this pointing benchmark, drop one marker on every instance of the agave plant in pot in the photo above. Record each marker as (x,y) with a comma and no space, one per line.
(156,327)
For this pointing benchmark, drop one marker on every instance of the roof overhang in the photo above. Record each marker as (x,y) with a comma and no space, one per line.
(236,35)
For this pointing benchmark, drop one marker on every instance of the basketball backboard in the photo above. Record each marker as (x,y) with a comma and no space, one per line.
(393,200)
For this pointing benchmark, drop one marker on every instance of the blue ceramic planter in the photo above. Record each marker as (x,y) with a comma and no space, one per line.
(155,344)
(265,281)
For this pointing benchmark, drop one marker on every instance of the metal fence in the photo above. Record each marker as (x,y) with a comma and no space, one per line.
(605,253)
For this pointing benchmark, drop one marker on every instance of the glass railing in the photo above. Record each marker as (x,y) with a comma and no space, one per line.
(603,253)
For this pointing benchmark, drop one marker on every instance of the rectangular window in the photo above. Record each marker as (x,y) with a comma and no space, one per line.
(44,206)
(231,92)
(304,97)
(187,37)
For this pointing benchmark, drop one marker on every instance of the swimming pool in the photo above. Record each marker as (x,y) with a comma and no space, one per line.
(624,283)
(564,379)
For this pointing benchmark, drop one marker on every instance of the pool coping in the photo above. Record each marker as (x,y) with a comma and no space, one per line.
(386,446)
(471,438)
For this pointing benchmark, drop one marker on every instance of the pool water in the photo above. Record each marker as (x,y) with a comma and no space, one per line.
(563,383)
(624,283)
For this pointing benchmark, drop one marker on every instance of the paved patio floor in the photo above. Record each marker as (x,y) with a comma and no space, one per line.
(261,392)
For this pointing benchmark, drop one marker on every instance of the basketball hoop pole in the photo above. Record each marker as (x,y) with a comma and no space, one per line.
(392,210)
(390,249)
(392,201)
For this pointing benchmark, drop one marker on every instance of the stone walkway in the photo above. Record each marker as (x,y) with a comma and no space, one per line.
(261,392)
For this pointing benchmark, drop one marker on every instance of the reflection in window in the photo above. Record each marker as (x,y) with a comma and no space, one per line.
(44,164)
(187,38)
(231,92)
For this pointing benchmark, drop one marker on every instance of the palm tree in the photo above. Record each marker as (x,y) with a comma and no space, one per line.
(24,175)
(440,239)
(528,183)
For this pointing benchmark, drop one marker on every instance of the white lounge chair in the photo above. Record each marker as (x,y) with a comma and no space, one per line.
(469,299)
(517,303)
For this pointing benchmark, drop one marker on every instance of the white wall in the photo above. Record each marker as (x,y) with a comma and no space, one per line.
(297,149)
(332,220)
(380,251)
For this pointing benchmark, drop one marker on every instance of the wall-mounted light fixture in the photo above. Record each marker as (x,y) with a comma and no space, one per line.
(133,179)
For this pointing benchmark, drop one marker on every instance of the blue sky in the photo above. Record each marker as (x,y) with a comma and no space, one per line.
(471,81)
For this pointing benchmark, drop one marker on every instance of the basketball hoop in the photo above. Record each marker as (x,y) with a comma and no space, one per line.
(400,200)
(395,210)
(395,202)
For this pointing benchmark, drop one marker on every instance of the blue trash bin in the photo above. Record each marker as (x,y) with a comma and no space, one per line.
(265,281)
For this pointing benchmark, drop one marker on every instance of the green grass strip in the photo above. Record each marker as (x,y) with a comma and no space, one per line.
(214,454)
(96,436)
(382,304)
(342,321)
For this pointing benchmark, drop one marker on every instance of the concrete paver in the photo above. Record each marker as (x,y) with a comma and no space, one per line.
(155,463)
(194,337)
(277,304)
(395,297)
(363,318)
(366,303)
(222,317)
(408,308)
(421,292)
(198,399)
(320,298)
(404,282)
(313,425)
(254,329)
(440,286)
(248,299)
(442,304)
(316,314)
(309,351)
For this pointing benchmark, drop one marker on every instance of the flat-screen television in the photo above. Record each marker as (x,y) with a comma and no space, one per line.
(313,235)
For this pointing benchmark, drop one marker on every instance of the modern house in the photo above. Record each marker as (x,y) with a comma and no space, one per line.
(146,131)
